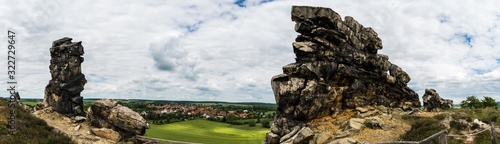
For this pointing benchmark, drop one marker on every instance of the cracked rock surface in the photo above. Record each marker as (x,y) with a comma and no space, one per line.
(63,91)
(337,67)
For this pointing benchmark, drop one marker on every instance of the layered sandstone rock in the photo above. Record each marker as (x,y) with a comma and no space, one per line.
(63,91)
(107,113)
(432,100)
(337,68)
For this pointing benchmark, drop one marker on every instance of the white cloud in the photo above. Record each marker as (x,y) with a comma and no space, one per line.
(217,50)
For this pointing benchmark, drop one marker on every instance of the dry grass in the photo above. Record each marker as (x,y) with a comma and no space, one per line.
(29,128)
(395,128)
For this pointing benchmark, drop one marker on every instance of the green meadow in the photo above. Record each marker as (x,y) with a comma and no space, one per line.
(209,132)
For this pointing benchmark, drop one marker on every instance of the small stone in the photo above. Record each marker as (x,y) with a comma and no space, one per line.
(303,135)
(106,133)
(375,123)
(362,109)
(78,127)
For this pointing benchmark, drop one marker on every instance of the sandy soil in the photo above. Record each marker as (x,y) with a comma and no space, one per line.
(64,124)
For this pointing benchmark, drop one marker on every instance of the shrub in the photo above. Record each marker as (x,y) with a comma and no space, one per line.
(457,125)
(29,129)
(251,123)
(488,115)
(474,126)
(440,116)
(266,123)
(421,128)
(483,138)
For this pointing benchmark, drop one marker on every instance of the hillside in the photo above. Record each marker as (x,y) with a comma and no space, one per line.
(29,128)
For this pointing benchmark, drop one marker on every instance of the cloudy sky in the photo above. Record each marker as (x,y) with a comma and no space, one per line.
(227,50)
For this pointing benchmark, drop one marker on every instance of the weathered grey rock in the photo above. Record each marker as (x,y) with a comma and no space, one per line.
(345,141)
(337,67)
(303,135)
(63,91)
(374,123)
(432,100)
(78,127)
(78,119)
(355,125)
(39,106)
(107,113)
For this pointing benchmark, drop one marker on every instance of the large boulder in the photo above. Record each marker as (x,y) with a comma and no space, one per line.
(107,113)
(337,67)
(63,91)
(432,100)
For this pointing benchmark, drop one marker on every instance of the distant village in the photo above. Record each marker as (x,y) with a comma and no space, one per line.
(167,113)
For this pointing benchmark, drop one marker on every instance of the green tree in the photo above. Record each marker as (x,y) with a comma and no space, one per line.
(489,102)
(265,123)
(230,118)
(471,102)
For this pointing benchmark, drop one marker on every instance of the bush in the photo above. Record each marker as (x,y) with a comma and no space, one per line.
(474,126)
(266,123)
(484,138)
(29,129)
(440,116)
(421,128)
(488,115)
(251,123)
(457,125)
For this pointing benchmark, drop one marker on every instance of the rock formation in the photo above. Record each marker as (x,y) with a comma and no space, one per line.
(63,91)
(432,100)
(337,68)
(107,113)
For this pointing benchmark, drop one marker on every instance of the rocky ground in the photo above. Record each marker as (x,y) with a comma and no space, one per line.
(78,132)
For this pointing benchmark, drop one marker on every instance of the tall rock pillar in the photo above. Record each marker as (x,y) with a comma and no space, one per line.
(63,91)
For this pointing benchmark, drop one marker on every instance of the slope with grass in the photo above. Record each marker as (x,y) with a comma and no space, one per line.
(29,128)
(209,132)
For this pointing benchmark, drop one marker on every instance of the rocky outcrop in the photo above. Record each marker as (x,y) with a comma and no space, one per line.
(432,100)
(107,113)
(63,91)
(337,68)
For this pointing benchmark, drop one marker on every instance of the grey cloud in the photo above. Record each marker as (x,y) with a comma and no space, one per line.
(167,56)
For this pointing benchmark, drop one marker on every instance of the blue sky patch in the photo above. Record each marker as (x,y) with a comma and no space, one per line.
(481,71)
(466,38)
(240,3)
(192,27)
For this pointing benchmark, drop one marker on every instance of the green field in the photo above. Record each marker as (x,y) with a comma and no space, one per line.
(209,132)
(30,103)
